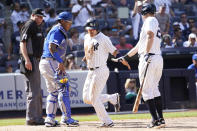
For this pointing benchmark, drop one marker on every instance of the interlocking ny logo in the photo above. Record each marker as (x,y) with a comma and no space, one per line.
(96,46)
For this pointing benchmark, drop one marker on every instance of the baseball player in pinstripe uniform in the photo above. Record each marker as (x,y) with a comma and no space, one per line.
(148,48)
(51,67)
(97,47)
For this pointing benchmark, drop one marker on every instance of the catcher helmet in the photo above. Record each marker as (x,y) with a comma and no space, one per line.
(92,23)
(65,16)
(148,8)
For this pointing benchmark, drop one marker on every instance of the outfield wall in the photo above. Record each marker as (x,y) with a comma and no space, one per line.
(13,96)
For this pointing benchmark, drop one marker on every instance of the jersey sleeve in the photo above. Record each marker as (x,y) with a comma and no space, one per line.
(109,46)
(151,25)
(75,8)
(26,32)
(56,38)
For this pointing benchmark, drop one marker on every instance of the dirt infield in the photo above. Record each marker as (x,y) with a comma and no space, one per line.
(173,124)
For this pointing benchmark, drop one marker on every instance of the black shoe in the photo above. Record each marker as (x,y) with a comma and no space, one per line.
(34,122)
(154,124)
(117,105)
(30,123)
(162,122)
(106,125)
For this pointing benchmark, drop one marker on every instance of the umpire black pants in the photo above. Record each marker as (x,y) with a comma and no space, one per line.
(34,93)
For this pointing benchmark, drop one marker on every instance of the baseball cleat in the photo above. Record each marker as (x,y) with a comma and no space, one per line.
(106,125)
(154,124)
(117,105)
(50,122)
(162,123)
(70,122)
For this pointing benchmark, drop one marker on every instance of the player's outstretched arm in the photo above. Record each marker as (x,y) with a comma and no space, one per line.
(124,59)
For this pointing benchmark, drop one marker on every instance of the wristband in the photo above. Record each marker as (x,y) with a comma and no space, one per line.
(126,57)
(57,57)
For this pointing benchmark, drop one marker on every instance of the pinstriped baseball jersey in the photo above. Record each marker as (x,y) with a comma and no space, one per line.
(150,24)
(99,46)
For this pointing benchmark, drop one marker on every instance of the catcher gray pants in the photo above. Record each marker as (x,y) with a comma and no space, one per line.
(34,93)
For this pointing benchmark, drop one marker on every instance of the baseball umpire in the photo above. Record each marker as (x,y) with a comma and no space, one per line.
(97,47)
(148,48)
(31,45)
(53,70)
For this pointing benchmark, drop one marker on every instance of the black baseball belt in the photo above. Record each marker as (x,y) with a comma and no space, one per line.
(93,68)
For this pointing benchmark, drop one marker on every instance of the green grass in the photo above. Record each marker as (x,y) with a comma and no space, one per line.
(21,121)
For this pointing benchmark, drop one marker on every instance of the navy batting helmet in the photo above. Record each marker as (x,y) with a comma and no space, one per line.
(65,16)
(148,8)
(92,23)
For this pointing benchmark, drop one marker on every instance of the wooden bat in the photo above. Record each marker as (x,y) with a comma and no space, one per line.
(139,94)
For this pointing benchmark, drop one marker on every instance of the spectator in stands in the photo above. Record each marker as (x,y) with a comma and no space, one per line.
(16,16)
(47,7)
(128,34)
(106,31)
(13,50)
(81,12)
(123,45)
(178,39)
(74,42)
(175,25)
(114,36)
(9,69)
(24,13)
(52,18)
(163,19)
(121,3)
(191,41)
(130,90)
(167,43)
(118,25)
(184,25)
(194,65)
(136,19)
(168,3)
(70,63)
(191,22)
(194,30)
(3,26)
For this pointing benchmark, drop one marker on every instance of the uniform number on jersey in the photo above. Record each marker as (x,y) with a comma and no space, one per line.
(158,34)
(96,46)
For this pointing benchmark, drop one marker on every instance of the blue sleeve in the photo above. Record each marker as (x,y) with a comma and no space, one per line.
(190,67)
(56,38)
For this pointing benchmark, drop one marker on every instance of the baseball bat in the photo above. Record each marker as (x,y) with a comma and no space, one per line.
(139,94)
(114,60)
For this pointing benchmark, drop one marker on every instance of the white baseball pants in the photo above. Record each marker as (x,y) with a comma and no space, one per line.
(154,72)
(94,84)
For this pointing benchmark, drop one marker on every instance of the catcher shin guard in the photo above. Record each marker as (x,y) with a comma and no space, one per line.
(51,107)
(64,103)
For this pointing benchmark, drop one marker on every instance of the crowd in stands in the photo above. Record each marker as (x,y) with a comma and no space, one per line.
(119,19)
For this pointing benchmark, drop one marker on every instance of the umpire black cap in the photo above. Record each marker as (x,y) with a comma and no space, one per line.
(148,8)
(92,23)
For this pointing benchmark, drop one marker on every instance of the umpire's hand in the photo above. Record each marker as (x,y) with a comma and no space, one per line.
(28,65)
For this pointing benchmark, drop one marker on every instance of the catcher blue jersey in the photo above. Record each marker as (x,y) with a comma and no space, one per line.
(57,35)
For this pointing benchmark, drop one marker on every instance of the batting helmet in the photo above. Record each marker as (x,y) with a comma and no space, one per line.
(148,8)
(65,16)
(92,23)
